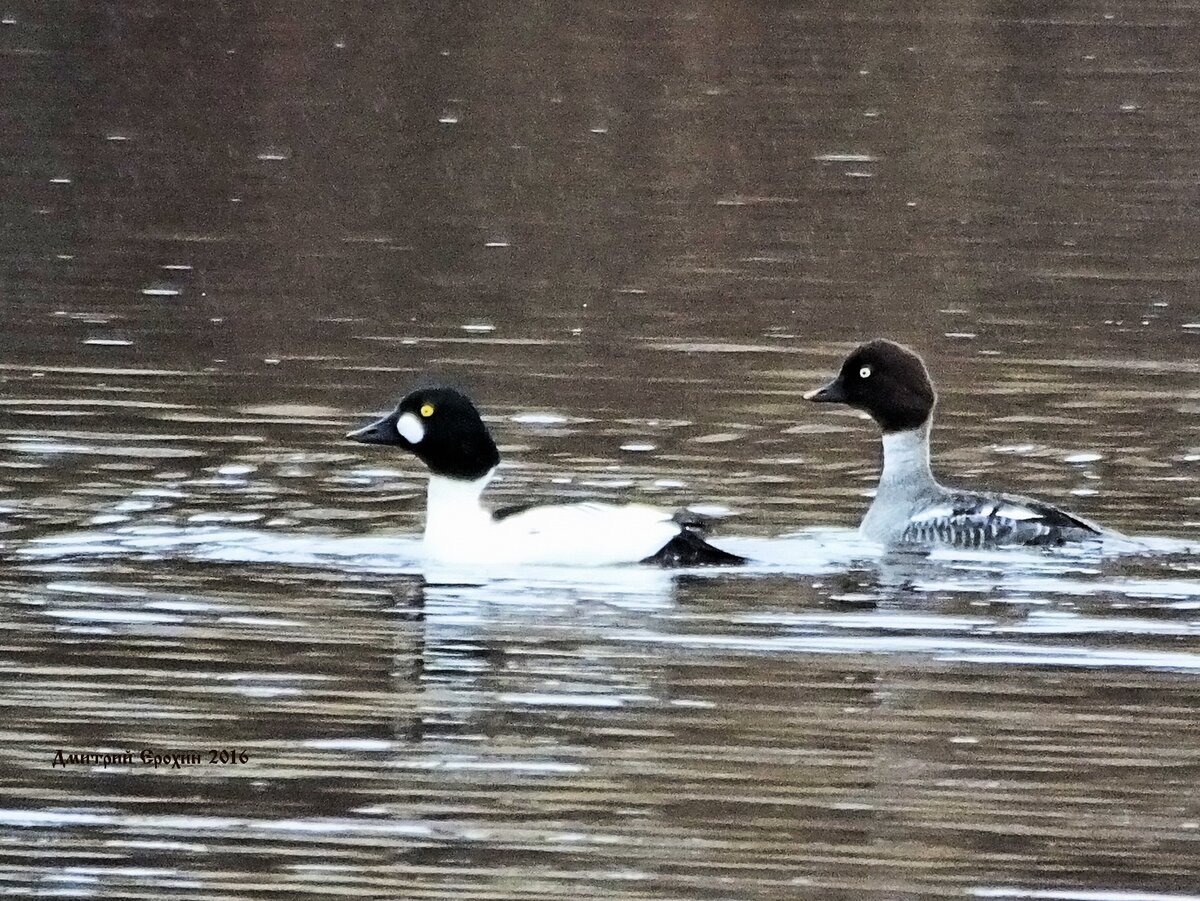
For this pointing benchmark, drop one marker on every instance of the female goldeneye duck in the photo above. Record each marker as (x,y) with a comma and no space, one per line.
(890,383)
(444,430)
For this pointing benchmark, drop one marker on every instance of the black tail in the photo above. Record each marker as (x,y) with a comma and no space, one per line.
(689,549)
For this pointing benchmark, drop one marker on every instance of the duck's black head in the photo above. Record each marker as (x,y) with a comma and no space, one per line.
(887,381)
(442,428)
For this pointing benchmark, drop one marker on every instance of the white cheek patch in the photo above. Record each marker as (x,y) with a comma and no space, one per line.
(410,428)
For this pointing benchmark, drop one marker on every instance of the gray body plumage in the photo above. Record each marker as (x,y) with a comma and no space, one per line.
(911,507)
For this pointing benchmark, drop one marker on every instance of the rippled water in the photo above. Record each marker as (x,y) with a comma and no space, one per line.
(637,236)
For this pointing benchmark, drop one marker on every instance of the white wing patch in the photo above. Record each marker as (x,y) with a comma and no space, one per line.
(942,511)
(984,511)
(1012,511)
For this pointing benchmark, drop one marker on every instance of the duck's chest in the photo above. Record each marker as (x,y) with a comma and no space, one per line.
(897,503)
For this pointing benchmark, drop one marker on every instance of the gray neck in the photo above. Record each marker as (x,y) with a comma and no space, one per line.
(906,459)
(905,485)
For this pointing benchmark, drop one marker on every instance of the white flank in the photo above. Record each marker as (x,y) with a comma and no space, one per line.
(458,529)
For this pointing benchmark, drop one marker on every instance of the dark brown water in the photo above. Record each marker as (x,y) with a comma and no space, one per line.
(637,235)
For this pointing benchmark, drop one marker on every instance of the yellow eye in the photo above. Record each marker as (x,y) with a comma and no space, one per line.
(427,410)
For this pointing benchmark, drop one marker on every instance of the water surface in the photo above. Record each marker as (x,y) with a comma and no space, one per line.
(637,236)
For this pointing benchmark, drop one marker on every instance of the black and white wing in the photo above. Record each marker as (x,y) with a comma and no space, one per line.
(972,520)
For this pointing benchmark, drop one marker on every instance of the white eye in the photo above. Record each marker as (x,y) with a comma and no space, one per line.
(865,372)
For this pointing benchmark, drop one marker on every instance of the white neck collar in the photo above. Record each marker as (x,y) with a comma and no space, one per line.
(455,497)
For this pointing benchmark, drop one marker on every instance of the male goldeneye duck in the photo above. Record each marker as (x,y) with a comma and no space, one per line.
(444,430)
(890,383)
